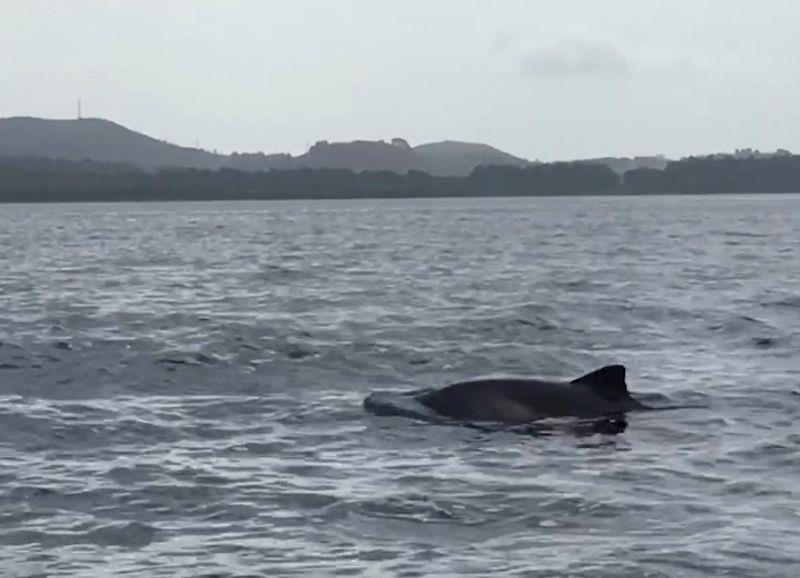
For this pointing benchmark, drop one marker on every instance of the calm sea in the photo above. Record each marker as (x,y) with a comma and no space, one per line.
(181,387)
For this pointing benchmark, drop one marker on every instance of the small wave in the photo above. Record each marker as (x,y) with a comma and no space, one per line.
(744,234)
(198,358)
(409,507)
(125,534)
(129,535)
(790,302)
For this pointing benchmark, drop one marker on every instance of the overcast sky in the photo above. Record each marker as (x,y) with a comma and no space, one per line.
(555,79)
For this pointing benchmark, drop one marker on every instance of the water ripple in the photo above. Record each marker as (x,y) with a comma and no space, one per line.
(182,385)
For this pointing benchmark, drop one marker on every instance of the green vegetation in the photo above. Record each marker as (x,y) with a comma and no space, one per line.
(769,174)
(38,180)
(26,180)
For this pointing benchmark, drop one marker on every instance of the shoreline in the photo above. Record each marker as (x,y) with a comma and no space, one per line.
(76,201)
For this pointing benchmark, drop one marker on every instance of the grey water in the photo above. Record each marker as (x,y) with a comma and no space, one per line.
(181,387)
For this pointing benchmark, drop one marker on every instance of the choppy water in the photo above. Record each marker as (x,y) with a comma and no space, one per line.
(181,386)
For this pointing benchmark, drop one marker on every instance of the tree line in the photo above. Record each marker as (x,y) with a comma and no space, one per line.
(40,180)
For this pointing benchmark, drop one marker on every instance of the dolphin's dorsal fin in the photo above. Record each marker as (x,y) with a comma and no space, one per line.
(608,381)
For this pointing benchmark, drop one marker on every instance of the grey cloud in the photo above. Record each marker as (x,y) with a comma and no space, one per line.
(574,58)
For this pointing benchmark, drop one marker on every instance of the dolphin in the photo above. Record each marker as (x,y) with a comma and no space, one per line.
(600,399)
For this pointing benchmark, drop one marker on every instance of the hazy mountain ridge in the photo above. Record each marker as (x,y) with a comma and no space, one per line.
(97,140)
(361,155)
(101,140)
(457,158)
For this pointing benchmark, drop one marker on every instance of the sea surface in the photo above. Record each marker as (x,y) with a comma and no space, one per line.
(181,387)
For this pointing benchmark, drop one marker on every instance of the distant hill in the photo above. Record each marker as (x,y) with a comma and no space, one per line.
(101,140)
(97,140)
(252,162)
(453,158)
(444,159)
(361,155)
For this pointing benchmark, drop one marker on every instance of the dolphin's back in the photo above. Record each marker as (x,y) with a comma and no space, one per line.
(510,400)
